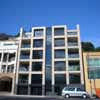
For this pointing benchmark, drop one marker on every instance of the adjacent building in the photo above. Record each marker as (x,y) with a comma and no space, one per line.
(92,72)
(8,61)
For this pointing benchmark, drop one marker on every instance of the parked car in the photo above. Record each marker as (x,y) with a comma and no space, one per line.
(74,92)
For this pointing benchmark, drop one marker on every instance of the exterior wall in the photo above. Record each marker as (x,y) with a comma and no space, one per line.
(91,85)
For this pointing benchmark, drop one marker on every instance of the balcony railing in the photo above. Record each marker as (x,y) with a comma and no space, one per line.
(27,36)
(24,57)
(72,33)
(74,68)
(25,69)
(73,55)
(23,81)
(25,46)
(72,44)
(12,59)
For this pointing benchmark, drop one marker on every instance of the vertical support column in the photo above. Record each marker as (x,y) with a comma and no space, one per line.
(13,82)
(1,60)
(53,74)
(17,69)
(30,64)
(7,62)
(80,55)
(43,67)
(66,49)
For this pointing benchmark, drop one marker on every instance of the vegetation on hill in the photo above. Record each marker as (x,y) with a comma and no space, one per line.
(89,46)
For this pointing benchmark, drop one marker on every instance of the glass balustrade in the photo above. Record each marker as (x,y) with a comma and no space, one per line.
(72,33)
(73,55)
(74,68)
(24,57)
(25,45)
(72,44)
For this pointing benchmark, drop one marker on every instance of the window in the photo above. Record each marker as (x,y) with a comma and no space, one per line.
(94,62)
(24,66)
(60,66)
(37,54)
(23,79)
(3,68)
(71,89)
(72,41)
(36,79)
(38,43)
(11,57)
(25,55)
(59,31)
(37,66)
(74,65)
(5,57)
(94,73)
(60,79)
(59,42)
(10,68)
(26,44)
(38,32)
(79,89)
(73,53)
(94,68)
(74,78)
(59,53)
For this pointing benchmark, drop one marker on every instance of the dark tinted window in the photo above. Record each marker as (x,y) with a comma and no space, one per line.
(36,66)
(36,79)
(59,53)
(38,43)
(59,42)
(37,54)
(60,66)
(59,31)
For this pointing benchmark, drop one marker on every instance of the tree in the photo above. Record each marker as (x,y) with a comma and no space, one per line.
(97,49)
(88,46)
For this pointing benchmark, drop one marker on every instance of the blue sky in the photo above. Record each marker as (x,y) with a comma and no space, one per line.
(27,13)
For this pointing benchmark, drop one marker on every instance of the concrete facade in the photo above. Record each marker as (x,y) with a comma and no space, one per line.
(48,58)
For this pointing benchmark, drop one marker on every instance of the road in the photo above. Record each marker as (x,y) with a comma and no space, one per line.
(38,98)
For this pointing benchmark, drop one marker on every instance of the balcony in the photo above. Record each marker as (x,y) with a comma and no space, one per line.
(72,44)
(74,68)
(72,33)
(73,55)
(12,59)
(24,57)
(27,35)
(25,46)
(22,81)
(23,68)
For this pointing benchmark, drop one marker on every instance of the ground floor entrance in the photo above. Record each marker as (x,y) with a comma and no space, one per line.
(5,84)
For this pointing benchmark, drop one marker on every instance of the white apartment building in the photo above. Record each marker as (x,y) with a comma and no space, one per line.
(49,58)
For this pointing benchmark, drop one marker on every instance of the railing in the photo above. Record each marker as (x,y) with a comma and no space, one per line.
(12,59)
(72,44)
(23,81)
(24,57)
(27,36)
(73,55)
(72,33)
(21,68)
(26,46)
(74,68)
